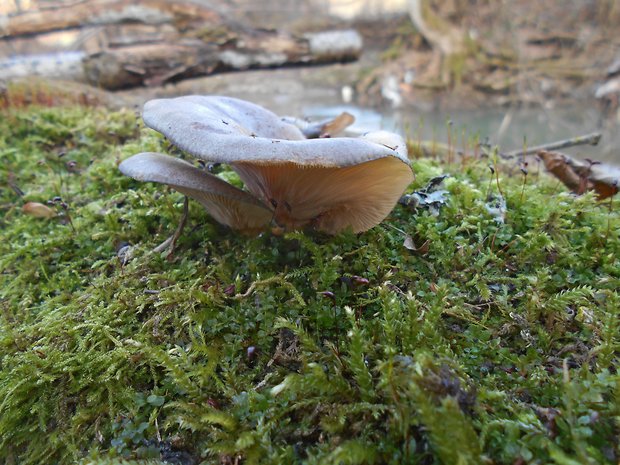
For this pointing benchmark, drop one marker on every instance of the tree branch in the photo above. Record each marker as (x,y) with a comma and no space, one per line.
(587,139)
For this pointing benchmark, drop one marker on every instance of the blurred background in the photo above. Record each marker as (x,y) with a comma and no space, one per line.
(507,72)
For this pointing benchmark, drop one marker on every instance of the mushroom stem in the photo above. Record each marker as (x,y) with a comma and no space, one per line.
(171,242)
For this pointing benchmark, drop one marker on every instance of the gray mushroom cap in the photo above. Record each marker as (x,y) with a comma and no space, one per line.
(331,184)
(229,130)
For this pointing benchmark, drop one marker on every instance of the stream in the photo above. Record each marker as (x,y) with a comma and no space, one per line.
(508,129)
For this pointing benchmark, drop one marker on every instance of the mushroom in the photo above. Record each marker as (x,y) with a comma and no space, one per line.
(331,184)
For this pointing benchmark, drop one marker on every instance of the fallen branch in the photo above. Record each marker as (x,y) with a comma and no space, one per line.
(158,63)
(588,139)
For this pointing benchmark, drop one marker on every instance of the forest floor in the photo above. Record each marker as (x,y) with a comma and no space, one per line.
(481,328)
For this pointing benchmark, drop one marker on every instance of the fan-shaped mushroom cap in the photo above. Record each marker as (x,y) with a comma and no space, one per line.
(332,184)
(229,130)
(227,204)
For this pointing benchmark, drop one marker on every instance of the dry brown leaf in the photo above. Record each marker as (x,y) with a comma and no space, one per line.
(580,176)
(38,210)
(409,244)
(603,178)
(338,124)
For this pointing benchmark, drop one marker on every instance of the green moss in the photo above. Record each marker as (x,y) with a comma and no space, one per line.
(497,342)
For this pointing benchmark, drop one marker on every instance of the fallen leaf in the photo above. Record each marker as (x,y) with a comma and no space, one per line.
(38,210)
(338,124)
(410,245)
(603,178)
(581,176)
(321,129)
(555,163)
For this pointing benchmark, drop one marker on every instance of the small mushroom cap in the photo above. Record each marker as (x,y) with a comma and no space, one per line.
(227,204)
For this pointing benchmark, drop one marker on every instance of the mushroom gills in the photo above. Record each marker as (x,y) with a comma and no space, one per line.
(329,199)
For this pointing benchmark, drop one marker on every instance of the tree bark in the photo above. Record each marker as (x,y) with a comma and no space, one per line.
(446,39)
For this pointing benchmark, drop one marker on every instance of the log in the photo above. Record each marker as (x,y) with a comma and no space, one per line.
(150,64)
(89,39)
(156,64)
(268,49)
(183,14)
(115,44)
(63,65)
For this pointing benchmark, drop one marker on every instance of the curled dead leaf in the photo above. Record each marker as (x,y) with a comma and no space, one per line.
(581,176)
(326,128)
(409,244)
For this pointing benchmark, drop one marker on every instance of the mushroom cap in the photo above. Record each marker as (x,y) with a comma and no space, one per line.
(227,204)
(228,130)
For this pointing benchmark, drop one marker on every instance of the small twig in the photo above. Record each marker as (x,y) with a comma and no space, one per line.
(588,139)
(395,228)
(14,186)
(170,243)
(524,170)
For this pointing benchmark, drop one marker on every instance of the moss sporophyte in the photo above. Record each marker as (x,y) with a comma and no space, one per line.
(491,335)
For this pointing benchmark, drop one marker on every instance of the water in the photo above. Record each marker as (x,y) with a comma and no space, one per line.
(510,130)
